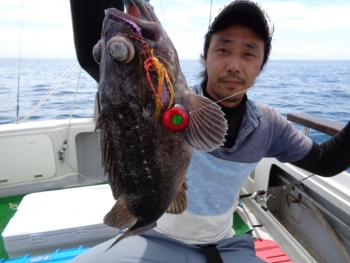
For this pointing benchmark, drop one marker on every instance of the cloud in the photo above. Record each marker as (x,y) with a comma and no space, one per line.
(46,29)
(300,29)
(186,23)
(188,16)
(53,12)
(38,43)
(292,15)
(298,26)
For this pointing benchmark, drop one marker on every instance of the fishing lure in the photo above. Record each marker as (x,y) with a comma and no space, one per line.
(175,118)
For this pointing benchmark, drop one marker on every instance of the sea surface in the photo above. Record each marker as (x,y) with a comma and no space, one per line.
(320,88)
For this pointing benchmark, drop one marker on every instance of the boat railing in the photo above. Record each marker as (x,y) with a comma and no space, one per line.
(316,123)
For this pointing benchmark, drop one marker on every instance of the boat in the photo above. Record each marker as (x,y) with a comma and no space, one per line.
(306,216)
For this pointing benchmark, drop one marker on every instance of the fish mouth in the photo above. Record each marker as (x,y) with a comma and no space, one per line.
(134,8)
(139,17)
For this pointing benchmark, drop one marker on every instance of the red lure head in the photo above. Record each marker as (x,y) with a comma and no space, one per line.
(176,118)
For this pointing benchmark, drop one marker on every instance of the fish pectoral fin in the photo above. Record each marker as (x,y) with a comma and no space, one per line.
(208,126)
(179,204)
(120,216)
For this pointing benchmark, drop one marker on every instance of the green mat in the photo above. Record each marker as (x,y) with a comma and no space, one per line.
(239,225)
(6,214)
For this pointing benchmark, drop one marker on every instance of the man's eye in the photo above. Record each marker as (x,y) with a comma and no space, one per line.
(249,55)
(222,50)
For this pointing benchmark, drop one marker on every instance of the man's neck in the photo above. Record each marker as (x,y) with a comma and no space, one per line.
(234,117)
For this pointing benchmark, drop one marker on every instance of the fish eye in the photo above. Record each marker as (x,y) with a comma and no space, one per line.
(121,49)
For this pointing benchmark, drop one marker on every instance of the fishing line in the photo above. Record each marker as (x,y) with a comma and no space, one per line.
(277,189)
(215,102)
(19,63)
(314,61)
(290,72)
(161,5)
(262,196)
(274,190)
(211,5)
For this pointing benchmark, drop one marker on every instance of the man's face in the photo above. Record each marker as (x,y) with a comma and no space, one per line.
(234,60)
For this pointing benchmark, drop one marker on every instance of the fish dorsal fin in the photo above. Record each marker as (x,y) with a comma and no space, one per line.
(207,128)
(120,215)
(179,204)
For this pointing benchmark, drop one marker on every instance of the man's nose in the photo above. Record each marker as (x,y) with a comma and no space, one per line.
(234,64)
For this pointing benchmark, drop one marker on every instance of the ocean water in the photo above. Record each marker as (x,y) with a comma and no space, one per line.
(320,88)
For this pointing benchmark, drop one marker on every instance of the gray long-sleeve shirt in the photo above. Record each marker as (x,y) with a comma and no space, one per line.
(216,178)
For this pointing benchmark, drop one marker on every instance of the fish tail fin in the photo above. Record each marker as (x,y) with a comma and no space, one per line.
(133,231)
(207,128)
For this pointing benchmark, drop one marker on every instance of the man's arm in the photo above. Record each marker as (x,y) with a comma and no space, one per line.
(329,158)
(87,18)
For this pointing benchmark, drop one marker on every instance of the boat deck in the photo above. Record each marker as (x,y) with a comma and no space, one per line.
(245,221)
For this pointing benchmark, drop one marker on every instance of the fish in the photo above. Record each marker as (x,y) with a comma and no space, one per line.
(150,121)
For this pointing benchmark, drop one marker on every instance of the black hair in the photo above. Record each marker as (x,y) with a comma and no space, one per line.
(239,18)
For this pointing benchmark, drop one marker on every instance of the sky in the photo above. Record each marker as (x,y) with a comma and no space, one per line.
(304,29)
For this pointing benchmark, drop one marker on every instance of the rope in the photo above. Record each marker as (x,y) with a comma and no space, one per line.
(19,63)
(79,174)
(68,129)
(72,108)
(52,89)
(91,180)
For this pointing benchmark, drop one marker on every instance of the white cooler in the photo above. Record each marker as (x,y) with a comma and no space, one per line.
(59,219)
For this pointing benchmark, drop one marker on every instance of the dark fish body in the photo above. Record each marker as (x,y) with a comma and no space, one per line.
(140,79)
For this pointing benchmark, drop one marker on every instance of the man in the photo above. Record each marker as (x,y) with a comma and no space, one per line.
(236,48)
